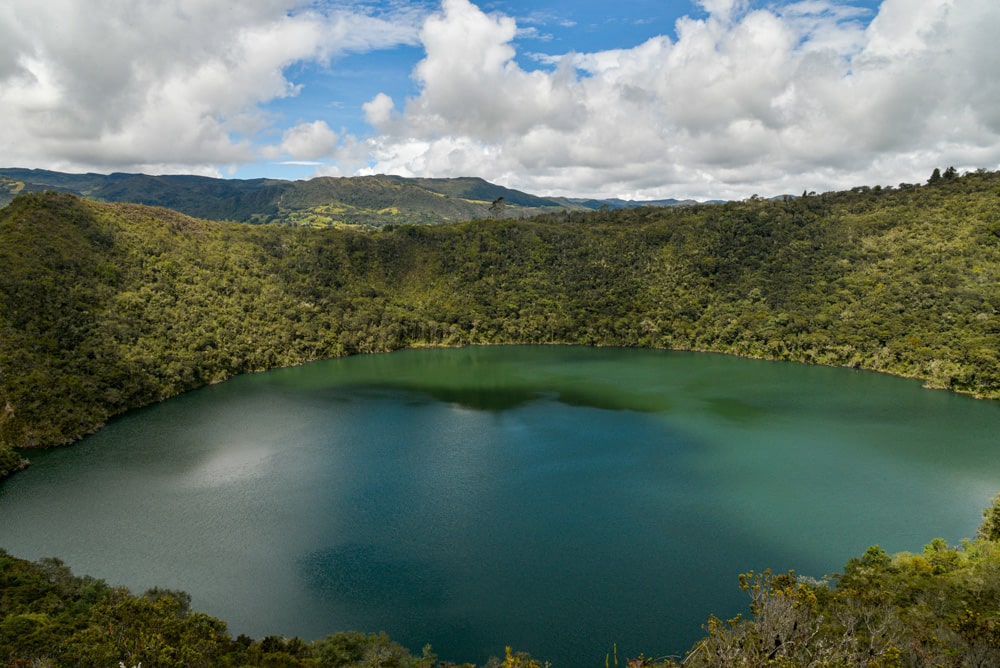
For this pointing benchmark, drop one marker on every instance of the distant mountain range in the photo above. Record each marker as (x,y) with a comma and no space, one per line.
(368,201)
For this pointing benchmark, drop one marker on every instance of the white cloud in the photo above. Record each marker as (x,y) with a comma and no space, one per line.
(308,141)
(746,100)
(379,110)
(161,85)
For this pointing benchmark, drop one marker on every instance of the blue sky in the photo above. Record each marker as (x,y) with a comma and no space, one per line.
(635,98)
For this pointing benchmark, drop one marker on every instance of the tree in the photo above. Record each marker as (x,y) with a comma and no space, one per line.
(935,176)
(990,528)
(10,461)
(496,209)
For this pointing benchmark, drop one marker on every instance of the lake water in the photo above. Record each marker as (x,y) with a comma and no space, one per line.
(557,499)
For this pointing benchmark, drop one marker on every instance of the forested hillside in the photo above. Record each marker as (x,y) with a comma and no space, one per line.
(104,307)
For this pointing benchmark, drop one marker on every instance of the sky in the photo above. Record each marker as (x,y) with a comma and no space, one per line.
(639,99)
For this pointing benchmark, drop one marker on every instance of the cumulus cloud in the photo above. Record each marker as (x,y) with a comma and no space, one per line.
(379,110)
(308,141)
(163,85)
(769,99)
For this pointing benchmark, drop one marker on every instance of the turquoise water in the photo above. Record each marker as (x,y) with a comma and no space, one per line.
(556,499)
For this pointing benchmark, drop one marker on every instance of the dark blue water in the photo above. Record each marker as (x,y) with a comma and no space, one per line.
(560,500)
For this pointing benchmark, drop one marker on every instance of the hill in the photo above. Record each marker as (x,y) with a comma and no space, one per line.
(364,201)
(109,306)
(616,203)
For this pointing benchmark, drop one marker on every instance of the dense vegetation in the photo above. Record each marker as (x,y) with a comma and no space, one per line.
(49,617)
(937,608)
(105,307)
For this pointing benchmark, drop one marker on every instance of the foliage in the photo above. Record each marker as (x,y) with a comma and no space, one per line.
(939,608)
(514,659)
(990,528)
(50,617)
(10,461)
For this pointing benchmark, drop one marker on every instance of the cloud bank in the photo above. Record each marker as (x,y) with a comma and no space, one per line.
(806,95)
(165,85)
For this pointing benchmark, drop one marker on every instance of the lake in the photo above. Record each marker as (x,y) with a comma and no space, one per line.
(562,500)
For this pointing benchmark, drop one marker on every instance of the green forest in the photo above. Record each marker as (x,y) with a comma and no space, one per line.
(106,307)
(940,607)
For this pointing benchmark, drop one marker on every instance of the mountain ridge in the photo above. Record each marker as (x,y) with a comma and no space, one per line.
(324,201)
